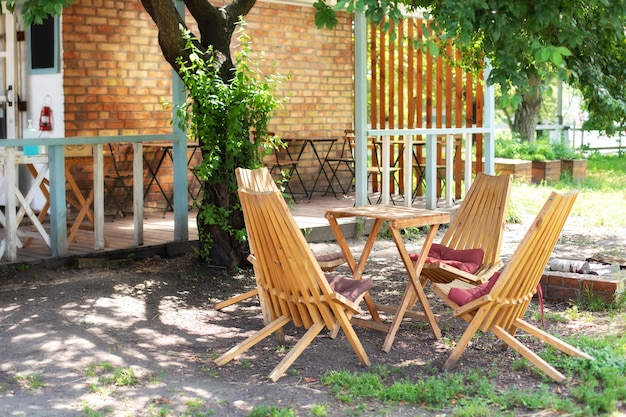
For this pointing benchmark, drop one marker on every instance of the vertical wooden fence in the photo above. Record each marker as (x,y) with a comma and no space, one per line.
(412,88)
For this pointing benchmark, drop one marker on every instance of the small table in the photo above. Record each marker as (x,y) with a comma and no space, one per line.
(167,149)
(397,217)
(313,142)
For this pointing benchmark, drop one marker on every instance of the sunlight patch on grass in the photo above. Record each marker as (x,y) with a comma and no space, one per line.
(593,208)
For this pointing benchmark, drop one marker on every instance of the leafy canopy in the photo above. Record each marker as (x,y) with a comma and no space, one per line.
(582,42)
(34,11)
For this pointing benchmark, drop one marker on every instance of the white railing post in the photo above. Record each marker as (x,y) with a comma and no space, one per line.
(469,159)
(181,215)
(98,197)
(58,207)
(10,176)
(384,163)
(408,170)
(431,172)
(138,192)
(449,168)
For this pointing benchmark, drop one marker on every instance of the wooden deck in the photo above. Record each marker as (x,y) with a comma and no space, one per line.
(159,234)
(119,237)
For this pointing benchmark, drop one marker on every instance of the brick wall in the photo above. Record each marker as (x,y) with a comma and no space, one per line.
(320,91)
(115,73)
(566,286)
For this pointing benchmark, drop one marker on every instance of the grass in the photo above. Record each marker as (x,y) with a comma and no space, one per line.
(90,412)
(597,388)
(602,196)
(263,411)
(109,377)
(31,381)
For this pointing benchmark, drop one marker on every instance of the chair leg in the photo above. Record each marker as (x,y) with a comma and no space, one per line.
(236,299)
(510,340)
(461,345)
(242,347)
(548,338)
(332,178)
(352,337)
(110,193)
(296,351)
(335,177)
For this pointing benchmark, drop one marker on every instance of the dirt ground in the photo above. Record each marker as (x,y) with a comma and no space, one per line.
(64,333)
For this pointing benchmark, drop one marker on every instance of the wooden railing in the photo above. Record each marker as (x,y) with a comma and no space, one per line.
(57,179)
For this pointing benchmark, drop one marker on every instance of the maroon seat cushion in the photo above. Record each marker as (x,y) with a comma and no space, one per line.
(330,261)
(462,296)
(468,260)
(330,257)
(348,287)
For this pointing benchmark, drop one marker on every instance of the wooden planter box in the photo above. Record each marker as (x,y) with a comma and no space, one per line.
(520,170)
(575,168)
(548,171)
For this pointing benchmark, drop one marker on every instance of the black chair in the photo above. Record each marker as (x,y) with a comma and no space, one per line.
(342,166)
(278,160)
(118,179)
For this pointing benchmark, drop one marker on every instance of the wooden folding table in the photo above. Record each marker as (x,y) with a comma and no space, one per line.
(397,218)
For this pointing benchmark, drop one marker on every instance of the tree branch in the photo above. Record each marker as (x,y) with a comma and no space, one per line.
(169,24)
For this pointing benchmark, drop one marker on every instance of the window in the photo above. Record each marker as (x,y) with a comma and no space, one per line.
(44,46)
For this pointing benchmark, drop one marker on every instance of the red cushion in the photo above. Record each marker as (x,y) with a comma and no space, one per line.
(348,287)
(468,260)
(330,261)
(462,296)
(329,257)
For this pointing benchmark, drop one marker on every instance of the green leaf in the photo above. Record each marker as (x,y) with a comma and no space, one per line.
(556,58)
(324,16)
(563,51)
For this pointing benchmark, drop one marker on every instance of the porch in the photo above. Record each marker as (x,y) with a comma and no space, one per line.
(159,231)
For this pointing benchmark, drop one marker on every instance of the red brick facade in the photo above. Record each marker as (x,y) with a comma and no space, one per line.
(115,74)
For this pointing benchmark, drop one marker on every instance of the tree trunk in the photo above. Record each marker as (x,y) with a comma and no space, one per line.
(217,245)
(216,27)
(527,113)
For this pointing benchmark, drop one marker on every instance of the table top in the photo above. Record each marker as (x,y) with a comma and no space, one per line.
(399,215)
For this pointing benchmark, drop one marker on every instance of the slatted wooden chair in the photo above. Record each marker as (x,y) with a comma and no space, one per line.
(260,180)
(476,229)
(291,283)
(499,304)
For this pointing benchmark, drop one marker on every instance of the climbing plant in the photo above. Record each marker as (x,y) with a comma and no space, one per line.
(230,121)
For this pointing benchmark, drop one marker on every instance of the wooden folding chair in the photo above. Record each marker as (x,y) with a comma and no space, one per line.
(478,224)
(260,180)
(291,284)
(499,305)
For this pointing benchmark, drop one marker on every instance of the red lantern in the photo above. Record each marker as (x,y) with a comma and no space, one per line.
(45,118)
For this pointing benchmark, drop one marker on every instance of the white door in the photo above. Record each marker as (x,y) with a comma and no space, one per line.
(10,127)
(9,123)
